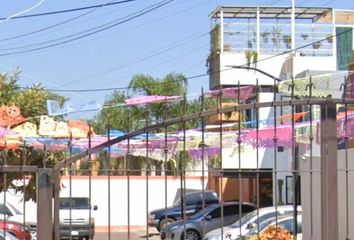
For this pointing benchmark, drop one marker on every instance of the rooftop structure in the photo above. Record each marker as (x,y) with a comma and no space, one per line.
(274,39)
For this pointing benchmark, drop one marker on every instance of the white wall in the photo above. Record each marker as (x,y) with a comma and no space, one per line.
(247,77)
(118,195)
(316,193)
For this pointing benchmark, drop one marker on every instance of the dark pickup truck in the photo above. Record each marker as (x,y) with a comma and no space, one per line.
(193,203)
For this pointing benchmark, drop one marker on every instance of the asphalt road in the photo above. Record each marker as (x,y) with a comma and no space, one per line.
(134,235)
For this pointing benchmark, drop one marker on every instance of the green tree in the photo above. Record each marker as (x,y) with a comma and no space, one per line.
(9,88)
(116,115)
(171,85)
(33,100)
(32,103)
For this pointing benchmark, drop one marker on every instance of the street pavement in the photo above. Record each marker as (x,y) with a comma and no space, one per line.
(135,234)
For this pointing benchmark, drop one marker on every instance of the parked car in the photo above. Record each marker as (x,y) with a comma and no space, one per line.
(285,222)
(212,217)
(243,225)
(5,235)
(19,230)
(75,218)
(193,202)
(11,213)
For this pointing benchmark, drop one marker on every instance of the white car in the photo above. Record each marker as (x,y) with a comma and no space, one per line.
(285,222)
(242,226)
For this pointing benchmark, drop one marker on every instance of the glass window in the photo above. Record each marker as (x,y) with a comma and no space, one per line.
(74,203)
(245,219)
(193,199)
(15,209)
(231,210)
(216,213)
(247,208)
(266,216)
(288,225)
(4,210)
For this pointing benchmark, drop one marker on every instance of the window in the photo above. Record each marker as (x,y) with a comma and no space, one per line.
(266,216)
(15,209)
(193,199)
(216,213)
(288,225)
(247,208)
(4,210)
(231,210)
(74,203)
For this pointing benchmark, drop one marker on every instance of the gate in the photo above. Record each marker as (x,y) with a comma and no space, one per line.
(299,155)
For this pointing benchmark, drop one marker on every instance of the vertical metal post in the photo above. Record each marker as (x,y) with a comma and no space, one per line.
(44,204)
(329,178)
(293,42)
(56,222)
(258,31)
(221,31)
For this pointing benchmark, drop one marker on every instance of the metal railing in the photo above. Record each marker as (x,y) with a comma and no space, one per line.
(295,160)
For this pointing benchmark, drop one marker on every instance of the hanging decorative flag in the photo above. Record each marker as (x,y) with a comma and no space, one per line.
(243,93)
(26,129)
(79,128)
(55,110)
(296,117)
(46,126)
(149,99)
(10,116)
(90,106)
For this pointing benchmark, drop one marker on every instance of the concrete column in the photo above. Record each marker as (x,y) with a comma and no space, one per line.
(329,174)
(44,204)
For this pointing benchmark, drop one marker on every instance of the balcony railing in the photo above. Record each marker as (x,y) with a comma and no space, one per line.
(310,39)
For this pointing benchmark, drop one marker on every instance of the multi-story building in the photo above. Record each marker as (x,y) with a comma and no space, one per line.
(269,46)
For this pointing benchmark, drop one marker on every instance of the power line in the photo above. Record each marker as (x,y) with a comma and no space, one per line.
(152,54)
(138,14)
(163,62)
(205,74)
(60,23)
(68,10)
(88,31)
(24,11)
(145,57)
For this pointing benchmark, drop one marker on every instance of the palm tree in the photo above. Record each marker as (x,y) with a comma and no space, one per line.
(170,85)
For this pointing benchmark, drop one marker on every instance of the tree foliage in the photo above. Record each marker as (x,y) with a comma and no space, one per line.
(32,104)
(31,100)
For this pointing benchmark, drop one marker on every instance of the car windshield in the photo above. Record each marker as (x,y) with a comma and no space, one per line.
(204,211)
(245,219)
(262,226)
(74,203)
(18,212)
(177,203)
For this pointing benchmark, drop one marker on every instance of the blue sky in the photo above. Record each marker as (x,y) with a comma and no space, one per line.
(173,38)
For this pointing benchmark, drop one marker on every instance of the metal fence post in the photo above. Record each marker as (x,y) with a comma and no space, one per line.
(56,202)
(329,178)
(44,204)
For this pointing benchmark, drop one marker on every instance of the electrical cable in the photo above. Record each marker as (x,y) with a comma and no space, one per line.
(60,23)
(68,10)
(135,60)
(206,74)
(160,63)
(16,15)
(137,14)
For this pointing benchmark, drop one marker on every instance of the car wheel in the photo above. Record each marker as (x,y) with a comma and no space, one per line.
(191,234)
(164,222)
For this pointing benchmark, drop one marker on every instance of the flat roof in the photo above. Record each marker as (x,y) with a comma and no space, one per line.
(270,12)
